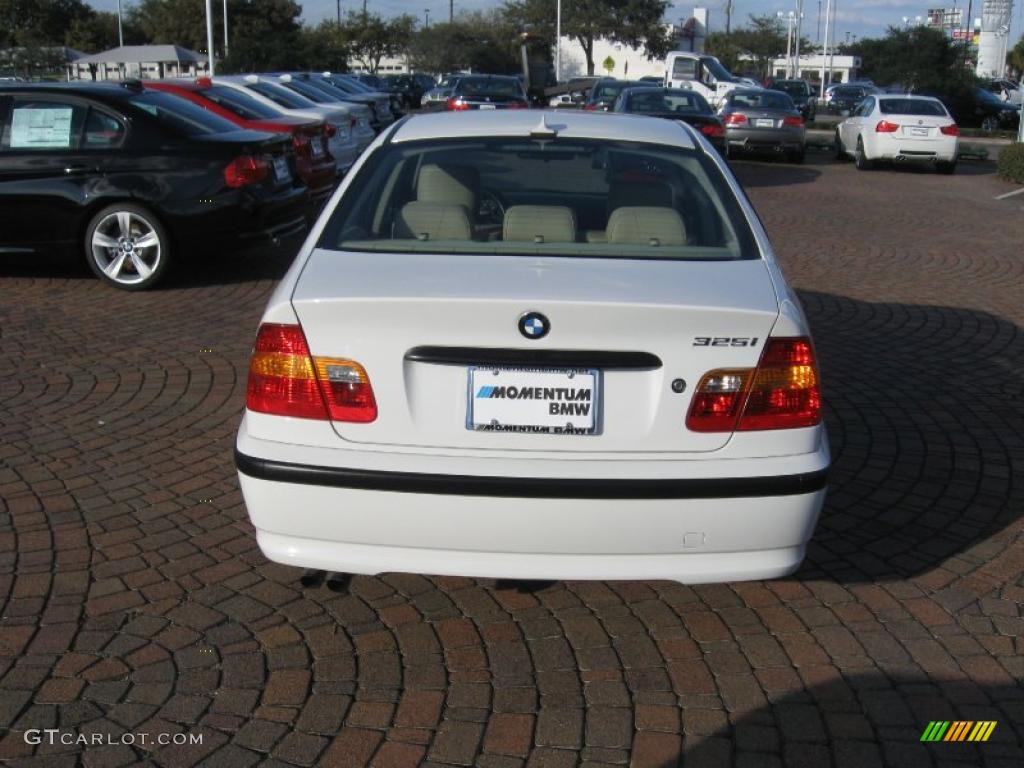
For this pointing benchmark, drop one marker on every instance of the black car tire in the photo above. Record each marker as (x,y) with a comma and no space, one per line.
(948,168)
(837,147)
(860,159)
(127,247)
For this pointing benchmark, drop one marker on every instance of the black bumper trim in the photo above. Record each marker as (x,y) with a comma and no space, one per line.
(531,487)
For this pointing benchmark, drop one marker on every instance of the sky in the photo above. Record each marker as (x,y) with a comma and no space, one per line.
(860,18)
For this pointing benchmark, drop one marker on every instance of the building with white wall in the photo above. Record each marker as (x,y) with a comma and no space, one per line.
(140,61)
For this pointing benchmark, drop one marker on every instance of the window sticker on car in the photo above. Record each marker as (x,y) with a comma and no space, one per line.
(41,128)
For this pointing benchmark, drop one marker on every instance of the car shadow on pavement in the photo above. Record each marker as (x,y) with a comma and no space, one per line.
(758,171)
(821,716)
(925,413)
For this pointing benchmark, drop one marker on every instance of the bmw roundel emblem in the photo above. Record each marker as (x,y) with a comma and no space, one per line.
(533,325)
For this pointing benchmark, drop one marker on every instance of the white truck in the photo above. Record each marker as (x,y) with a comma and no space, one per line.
(701,73)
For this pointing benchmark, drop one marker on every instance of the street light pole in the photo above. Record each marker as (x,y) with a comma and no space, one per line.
(824,50)
(426,18)
(558,41)
(225,29)
(796,45)
(120,33)
(209,36)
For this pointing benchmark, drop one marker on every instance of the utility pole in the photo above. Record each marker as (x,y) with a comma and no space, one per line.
(426,16)
(728,16)
(209,36)
(451,11)
(339,12)
(558,41)
(225,29)
(796,46)
(824,50)
(817,35)
(120,33)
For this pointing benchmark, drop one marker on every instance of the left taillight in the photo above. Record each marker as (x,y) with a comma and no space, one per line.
(245,170)
(884,126)
(783,392)
(286,380)
(713,130)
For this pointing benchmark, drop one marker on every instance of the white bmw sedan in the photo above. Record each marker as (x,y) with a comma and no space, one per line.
(900,129)
(538,345)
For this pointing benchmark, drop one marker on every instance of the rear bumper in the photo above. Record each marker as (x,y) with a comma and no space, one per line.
(690,530)
(764,139)
(911,150)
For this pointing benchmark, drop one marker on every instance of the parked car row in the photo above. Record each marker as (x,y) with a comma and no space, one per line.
(134,173)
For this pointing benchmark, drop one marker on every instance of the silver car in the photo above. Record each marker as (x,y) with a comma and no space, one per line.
(437,96)
(763,121)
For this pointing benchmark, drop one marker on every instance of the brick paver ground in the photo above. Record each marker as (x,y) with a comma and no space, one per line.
(137,602)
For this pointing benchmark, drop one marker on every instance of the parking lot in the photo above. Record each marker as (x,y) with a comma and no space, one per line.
(136,599)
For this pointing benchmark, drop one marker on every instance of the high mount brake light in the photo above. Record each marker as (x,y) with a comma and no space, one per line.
(285,380)
(781,393)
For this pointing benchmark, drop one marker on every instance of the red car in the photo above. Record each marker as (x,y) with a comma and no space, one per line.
(314,163)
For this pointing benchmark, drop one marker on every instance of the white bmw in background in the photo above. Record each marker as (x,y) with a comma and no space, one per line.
(538,345)
(901,129)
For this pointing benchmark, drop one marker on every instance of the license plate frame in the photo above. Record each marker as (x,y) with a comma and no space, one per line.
(764,122)
(316,148)
(480,376)
(918,132)
(488,106)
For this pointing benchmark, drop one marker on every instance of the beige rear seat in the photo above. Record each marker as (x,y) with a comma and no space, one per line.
(432,221)
(539,224)
(646,225)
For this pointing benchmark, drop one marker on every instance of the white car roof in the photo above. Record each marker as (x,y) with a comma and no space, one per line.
(524,122)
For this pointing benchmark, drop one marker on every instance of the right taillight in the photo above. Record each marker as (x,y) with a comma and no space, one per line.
(734,118)
(286,380)
(245,170)
(884,126)
(783,392)
(329,130)
(951,130)
(456,104)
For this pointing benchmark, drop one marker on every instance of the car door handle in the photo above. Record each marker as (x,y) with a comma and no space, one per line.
(74,170)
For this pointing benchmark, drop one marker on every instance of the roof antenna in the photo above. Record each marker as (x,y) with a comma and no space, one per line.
(543,131)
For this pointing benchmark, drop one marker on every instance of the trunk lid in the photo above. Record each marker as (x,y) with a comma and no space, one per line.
(381,309)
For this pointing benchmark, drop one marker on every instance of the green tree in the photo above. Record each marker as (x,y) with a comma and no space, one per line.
(480,41)
(636,23)
(1015,58)
(39,22)
(98,32)
(916,57)
(369,38)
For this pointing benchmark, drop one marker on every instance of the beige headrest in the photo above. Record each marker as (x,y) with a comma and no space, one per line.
(449,184)
(433,221)
(645,225)
(539,224)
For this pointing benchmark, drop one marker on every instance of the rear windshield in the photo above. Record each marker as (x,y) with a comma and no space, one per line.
(761,100)
(278,95)
(311,93)
(793,88)
(608,91)
(489,87)
(239,103)
(911,107)
(181,115)
(511,196)
(656,100)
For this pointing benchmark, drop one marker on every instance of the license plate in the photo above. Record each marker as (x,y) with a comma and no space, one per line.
(281,170)
(915,131)
(487,106)
(547,402)
(317,148)
(764,123)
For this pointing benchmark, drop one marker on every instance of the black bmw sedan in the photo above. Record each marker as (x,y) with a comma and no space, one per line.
(134,177)
(674,104)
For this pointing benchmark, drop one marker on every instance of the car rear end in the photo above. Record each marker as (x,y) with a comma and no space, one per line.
(763,121)
(574,394)
(911,129)
(487,93)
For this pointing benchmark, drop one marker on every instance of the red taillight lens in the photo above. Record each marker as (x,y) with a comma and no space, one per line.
(456,105)
(785,392)
(712,130)
(517,105)
(781,393)
(330,130)
(282,380)
(245,170)
(951,130)
(285,380)
(590,107)
(735,119)
(884,126)
(302,144)
(793,121)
